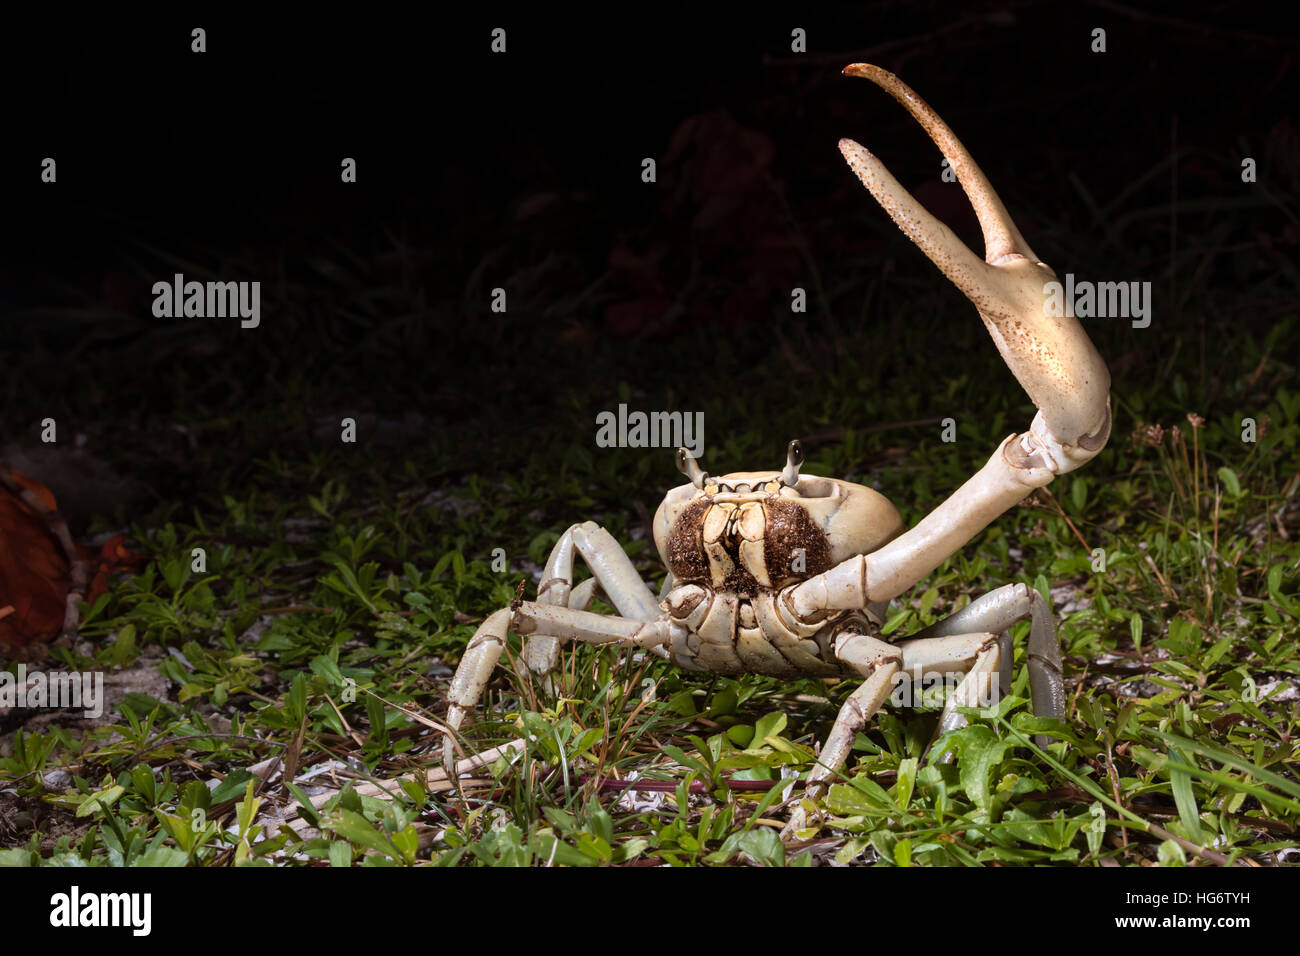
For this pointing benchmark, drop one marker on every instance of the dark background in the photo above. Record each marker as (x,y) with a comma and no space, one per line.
(476,430)
(523,171)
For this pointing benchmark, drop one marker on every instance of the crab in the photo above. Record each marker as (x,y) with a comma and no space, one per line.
(789,574)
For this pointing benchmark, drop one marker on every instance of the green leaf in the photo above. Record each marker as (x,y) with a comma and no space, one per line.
(897,621)
(1285,601)
(862,796)
(305,808)
(407,842)
(562,820)
(100,801)
(767,726)
(905,783)
(162,856)
(378,721)
(686,760)
(414,792)
(355,828)
(232,786)
(1171,854)
(979,751)
(740,734)
(1230,482)
(340,853)
(601,823)
(1079,493)
(1229,759)
(555,851)
(763,846)
(140,705)
(593,846)
(1095,829)
(144,783)
(724,702)
(296,702)
(1184,798)
(246,810)
(630,849)
(124,646)
(325,666)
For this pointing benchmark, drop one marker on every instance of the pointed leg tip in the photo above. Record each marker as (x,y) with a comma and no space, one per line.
(881,77)
(864,70)
(854,152)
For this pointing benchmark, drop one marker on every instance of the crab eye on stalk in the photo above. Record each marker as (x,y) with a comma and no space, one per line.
(689,467)
(793,459)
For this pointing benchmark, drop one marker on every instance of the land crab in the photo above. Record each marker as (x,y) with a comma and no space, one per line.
(789,575)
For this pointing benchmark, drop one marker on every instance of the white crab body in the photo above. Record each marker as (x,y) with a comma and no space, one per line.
(782,574)
(735,546)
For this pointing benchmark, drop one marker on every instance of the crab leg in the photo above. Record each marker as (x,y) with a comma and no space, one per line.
(571,624)
(612,572)
(876,661)
(997,611)
(952,653)
(977,655)
(983,657)
(610,566)
(527,618)
(476,664)
(975,688)
(1050,355)
(484,651)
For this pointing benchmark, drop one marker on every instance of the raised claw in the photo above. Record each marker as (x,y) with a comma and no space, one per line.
(1050,355)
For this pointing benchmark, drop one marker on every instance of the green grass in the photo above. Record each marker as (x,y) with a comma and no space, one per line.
(342,583)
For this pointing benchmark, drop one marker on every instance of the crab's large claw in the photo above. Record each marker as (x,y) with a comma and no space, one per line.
(1050,354)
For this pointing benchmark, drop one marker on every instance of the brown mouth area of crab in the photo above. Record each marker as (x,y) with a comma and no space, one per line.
(746,542)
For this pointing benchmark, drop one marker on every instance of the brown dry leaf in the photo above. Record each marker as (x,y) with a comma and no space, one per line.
(35,571)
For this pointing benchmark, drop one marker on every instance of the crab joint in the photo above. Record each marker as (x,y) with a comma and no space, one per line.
(842,588)
(1039,448)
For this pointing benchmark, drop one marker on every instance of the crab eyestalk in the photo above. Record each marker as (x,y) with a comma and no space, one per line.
(793,459)
(689,467)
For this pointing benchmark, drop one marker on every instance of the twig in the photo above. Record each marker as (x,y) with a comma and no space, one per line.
(1052,498)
